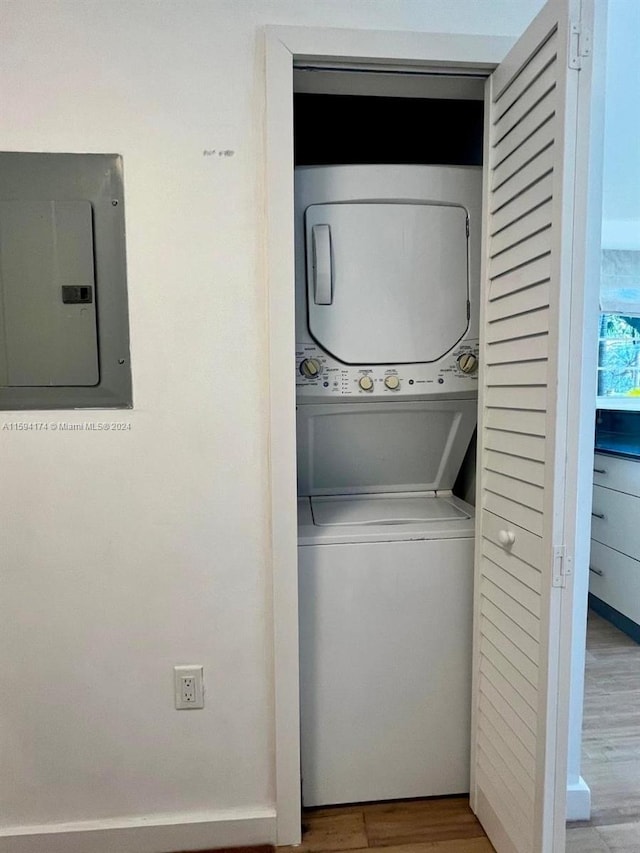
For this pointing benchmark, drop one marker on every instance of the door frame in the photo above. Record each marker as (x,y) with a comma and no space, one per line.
(581,384)
(284,47)
(387,49)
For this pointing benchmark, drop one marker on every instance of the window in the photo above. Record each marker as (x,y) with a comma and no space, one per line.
(619,362)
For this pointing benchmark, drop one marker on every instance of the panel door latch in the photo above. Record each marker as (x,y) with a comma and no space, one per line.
(77,294)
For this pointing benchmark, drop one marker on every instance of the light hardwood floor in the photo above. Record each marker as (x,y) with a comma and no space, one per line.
(444,825)
(610,743)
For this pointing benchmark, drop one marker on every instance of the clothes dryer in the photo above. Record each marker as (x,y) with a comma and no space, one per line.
(387,281)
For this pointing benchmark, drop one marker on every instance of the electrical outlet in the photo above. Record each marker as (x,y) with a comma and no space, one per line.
(189,687)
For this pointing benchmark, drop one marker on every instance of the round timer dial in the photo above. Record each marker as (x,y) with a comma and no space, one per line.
(310,367)
(468,362)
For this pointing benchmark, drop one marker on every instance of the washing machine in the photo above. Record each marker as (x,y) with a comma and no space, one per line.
(387,285)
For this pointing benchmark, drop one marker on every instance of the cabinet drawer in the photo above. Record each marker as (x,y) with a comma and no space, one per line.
(616,473)
(619,583)
(615,520)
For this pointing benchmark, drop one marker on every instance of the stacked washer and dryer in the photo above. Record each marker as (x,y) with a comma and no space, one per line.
(387,291)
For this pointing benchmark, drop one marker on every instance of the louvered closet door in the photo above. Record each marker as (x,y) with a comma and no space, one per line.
(523,430)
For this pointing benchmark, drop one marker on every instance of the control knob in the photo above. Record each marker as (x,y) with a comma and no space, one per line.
(366,383)
(310,367)
(392,382)
(468,362)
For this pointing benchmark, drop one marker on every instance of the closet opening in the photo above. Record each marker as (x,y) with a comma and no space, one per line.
(388,223)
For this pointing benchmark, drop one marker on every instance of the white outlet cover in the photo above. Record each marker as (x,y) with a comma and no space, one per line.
(188,682)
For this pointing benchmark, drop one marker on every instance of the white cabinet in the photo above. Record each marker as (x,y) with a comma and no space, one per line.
(615,540)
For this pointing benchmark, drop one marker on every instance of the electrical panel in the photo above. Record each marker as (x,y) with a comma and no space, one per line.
(64,337)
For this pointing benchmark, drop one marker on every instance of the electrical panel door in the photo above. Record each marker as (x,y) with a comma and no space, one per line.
(64,337)
(47,294)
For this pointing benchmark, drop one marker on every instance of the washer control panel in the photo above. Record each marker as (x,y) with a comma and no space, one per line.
(320,375)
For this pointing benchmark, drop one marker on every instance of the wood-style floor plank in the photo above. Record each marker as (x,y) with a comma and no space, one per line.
(585,839)
(611,727)
(621,838)
(431,820)
(437,825)
(610,743)
(467,845)
(334,832)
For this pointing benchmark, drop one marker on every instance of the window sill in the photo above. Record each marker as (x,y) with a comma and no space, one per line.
(619,404)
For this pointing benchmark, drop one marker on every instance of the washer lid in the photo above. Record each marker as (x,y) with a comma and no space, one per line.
(387,282)
(382,509)
(397,446)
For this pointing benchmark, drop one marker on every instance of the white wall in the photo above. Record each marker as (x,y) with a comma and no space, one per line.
(621,179)
(124,553)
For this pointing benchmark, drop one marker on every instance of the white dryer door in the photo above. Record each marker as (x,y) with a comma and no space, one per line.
(387,283)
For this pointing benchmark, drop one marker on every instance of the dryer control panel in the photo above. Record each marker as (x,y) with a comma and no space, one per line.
(318,375)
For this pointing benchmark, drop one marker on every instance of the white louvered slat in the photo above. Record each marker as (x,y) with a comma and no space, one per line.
(526,546)
(491,679)
(502,563)
(540,139)
(514,512)
(527,645)
(529,74)
(495,790)
(538,220)
(513,420)
(529,348)
(521,397)
(544,84)
(519,803)
(521,663)
(489,718)
(514,598)
(543,111)
(522,493)
(507,328)
(527,446)
(514,767)
(522,253)
(513,806)
(518,207)
(496,705)
(521,302)
(526,470)
(510,604)
(517,451)
(520,277)
(499,755)
(503,558)
(536,169)
(526,687)
(518,373)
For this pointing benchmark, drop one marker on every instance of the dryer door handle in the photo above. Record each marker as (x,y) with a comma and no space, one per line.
(321,239)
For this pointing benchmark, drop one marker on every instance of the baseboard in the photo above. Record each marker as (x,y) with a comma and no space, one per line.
(153,834)
(578,800)
(622,622)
